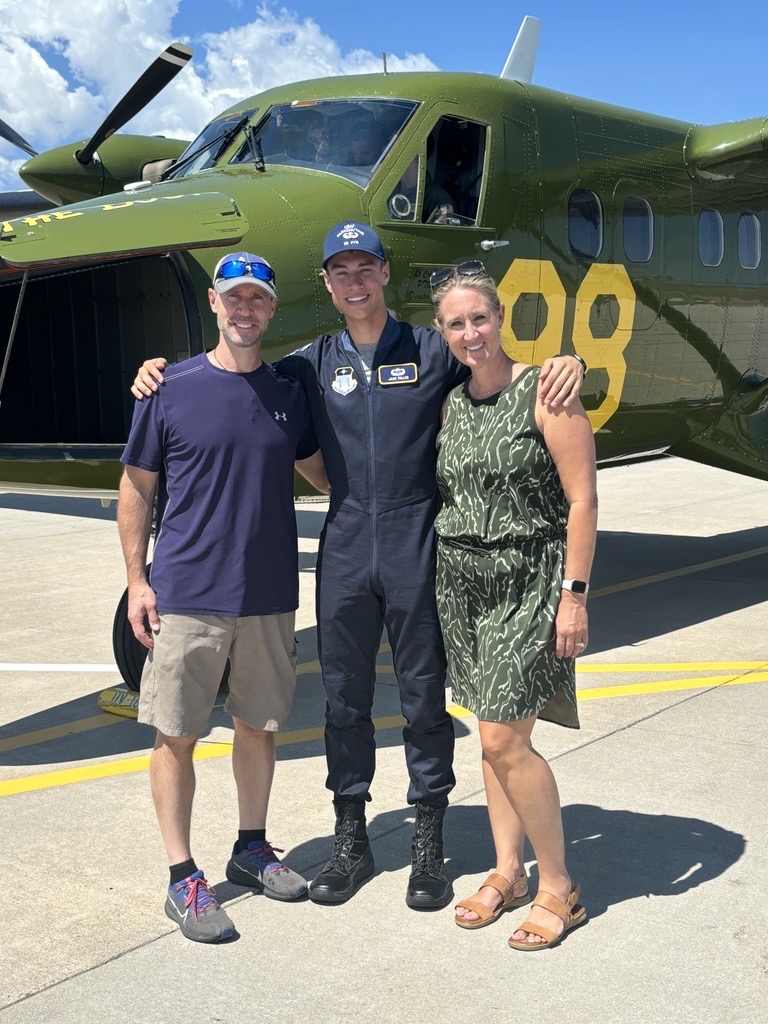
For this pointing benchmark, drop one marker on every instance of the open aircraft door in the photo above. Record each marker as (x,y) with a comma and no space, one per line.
(436,195)
(80,308)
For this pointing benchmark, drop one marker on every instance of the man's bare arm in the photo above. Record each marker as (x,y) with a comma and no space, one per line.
(313,470)
(134,522)
(560,380)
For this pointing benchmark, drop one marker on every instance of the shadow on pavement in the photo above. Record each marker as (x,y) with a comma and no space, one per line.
(615,855)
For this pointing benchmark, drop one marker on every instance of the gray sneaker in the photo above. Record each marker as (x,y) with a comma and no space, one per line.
(259,868)
(192,904)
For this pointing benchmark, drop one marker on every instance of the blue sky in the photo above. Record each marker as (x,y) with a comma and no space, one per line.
(64,68)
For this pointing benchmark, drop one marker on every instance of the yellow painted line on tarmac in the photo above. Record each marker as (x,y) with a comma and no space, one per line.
(206,751)
(689,570)
(672,666)
(669,686)
(642,689)
(55,732)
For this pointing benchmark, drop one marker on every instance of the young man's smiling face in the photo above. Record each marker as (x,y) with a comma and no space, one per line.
(356,282)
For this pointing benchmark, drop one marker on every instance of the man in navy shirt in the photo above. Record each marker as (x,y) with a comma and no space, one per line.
(221,438)
(376,390)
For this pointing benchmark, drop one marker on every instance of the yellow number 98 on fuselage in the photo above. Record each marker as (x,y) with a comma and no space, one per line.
(540,277)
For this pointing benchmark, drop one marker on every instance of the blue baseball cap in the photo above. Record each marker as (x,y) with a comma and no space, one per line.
(352,237)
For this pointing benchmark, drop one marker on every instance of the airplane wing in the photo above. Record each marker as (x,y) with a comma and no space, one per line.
(128,225)
(718,152)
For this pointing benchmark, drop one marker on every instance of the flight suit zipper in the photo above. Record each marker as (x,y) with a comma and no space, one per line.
(372,460)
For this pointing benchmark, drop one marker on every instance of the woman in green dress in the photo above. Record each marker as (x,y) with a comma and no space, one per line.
(516,537)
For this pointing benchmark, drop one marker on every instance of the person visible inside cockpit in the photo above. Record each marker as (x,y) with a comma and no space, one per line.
(437,205)
(320,138)
(366,141)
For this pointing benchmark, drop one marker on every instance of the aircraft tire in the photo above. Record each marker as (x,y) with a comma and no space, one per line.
(129,654)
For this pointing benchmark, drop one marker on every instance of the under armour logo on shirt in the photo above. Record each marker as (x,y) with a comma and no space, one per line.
(281,416)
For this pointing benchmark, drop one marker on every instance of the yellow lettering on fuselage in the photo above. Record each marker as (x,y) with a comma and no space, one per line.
(540,277)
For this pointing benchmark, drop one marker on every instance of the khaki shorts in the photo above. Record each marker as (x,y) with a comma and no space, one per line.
(182,674)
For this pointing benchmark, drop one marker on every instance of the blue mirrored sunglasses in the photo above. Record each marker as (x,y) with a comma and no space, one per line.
(237,268)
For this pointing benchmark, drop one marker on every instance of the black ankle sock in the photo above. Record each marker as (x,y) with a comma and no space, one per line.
(183,870)
(250,835)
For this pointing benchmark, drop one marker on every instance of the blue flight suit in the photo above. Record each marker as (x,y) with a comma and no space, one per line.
(376,561)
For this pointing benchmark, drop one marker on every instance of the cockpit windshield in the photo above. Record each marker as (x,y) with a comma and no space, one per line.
(344,137)
(210,143)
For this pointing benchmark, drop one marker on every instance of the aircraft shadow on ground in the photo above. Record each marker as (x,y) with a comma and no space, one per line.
(84,508)
(125,735)
(615,855)
(310,520)
(628,617)
(639,613)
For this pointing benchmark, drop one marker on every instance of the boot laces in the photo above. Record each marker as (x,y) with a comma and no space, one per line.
(346,829)
(425,843)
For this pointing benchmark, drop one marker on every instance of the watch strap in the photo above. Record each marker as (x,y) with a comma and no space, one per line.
(576,586)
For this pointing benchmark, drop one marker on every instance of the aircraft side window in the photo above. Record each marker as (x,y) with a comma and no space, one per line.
(749,242)
(711,238)
(456,166)
(638,230)
(436,205)
(585,224)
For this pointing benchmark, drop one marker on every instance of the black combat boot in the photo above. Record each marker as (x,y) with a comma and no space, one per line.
(428,888)
(351,861)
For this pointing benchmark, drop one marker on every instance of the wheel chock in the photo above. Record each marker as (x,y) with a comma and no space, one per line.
(118,700)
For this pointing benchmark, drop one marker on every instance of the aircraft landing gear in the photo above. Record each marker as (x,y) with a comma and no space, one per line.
(130,655)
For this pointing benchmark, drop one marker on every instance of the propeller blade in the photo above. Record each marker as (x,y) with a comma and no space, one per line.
(7,133)
(143,91)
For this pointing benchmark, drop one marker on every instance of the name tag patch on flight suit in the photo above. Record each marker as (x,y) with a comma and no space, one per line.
(402,373)
(344,380)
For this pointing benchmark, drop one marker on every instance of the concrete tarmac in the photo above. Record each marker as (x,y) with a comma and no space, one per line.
(663,792)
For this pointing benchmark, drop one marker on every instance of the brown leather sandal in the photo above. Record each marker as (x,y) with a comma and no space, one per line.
(509,901)
(570,913)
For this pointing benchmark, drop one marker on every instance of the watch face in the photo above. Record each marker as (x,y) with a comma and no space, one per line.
(579,587)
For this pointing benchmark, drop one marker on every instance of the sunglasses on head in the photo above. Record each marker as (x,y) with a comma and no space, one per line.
(236,268)
(470,268)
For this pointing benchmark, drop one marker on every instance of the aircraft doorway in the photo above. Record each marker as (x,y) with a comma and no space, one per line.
(80,336)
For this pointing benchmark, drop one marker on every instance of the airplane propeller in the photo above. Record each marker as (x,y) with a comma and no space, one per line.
(142,92)
(7,133)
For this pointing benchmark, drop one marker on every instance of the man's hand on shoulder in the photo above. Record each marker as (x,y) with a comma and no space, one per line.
(560,380)
(149,377)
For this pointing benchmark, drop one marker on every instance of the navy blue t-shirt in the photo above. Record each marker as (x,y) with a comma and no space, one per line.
(224,444)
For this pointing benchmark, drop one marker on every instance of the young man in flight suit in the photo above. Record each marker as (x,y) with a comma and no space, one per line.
(375,391)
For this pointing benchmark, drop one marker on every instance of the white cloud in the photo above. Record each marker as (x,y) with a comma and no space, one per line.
(66,64)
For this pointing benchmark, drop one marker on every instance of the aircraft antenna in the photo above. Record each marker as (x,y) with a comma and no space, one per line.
(522,56)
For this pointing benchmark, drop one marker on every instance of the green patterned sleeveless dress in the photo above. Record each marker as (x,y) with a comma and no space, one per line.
(500,556)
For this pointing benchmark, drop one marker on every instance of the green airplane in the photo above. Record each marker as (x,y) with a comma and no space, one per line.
(631,239)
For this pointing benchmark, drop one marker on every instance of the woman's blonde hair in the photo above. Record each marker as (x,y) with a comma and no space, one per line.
(479,282)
